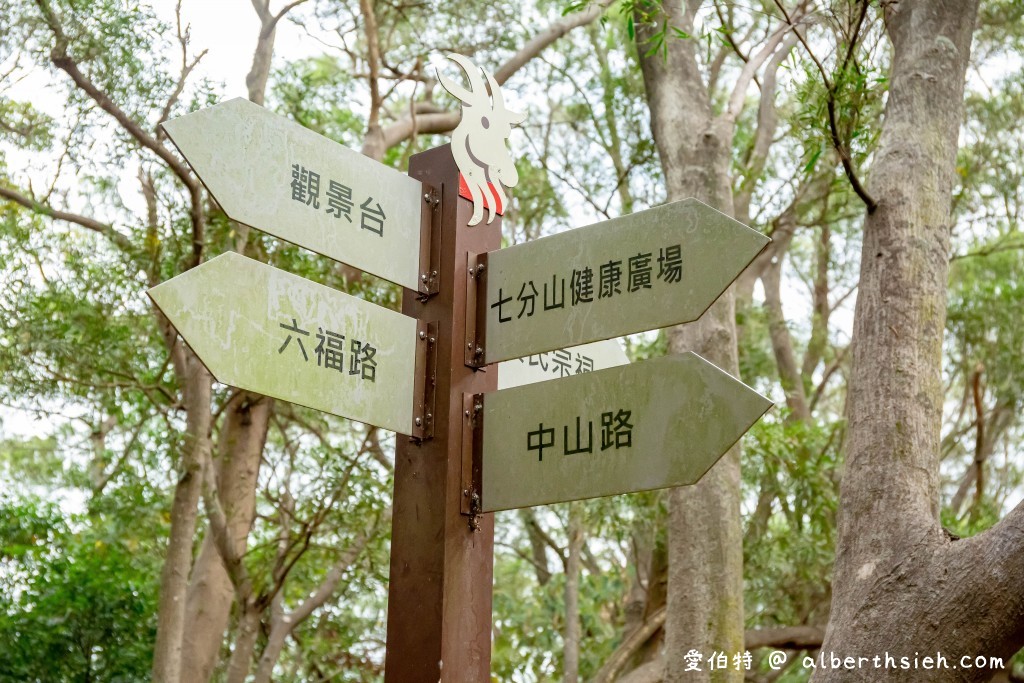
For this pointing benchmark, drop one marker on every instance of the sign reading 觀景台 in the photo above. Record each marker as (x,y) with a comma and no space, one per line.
(639,272)
(264,330)
(272,174)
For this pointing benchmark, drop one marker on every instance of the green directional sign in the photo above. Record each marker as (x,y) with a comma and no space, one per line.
(272,174)
(264,330)
(559,363)
(643,271)
(644,426)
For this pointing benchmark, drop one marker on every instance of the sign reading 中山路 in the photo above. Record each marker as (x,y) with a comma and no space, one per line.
(648,425)
(639,272)
(264,330)
(272,174)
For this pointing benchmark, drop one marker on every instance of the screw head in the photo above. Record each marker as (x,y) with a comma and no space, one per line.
(423,335)
(419,421)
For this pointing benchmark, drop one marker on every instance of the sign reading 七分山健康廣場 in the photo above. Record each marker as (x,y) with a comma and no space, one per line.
(639,272)
(264,330)
(648,425)
(272,174)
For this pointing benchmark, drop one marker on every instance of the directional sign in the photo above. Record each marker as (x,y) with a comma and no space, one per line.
(274,175)
(644,426)
(644,271)
(264,330)
(541,367)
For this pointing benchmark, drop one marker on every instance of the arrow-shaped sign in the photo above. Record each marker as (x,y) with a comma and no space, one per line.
(274,175)
(648,425)
(264,330)
(643,271)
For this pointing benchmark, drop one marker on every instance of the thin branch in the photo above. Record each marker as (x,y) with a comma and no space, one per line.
(739,91)
(63,61)
(442,123)
(108,231)
(837,143)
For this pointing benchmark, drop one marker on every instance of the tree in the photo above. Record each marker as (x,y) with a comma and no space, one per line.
(895,565)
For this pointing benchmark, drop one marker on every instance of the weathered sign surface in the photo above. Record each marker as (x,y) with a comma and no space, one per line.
(577,360)
(272,174)
(649,425)
(264,330)
(643,271)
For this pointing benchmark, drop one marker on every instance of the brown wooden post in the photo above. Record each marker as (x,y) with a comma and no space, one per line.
(439,594)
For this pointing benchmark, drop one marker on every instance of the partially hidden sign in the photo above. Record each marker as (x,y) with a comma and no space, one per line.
(264,330)
(274,175)
(639,272)
(649,425)
(541,367)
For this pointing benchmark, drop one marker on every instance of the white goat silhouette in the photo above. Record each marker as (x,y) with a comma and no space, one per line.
(478,142)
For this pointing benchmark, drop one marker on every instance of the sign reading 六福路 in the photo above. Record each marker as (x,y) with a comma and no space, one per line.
(264,330)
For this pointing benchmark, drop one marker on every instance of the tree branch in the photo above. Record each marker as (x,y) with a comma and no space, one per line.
(108,231)
(63,61)
(750,67)
(830,89)
(285,623)
(442,123)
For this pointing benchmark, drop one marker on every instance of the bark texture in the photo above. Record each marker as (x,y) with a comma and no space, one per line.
(705,576)
(211,592)
(901,584)
(184,511)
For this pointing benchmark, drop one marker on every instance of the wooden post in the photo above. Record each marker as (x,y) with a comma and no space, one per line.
(439,594)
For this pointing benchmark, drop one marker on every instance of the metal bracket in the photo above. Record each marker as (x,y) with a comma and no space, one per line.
(425,380)
(472,452)
(476,309)
(430,242)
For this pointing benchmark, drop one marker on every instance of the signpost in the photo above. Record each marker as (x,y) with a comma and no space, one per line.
(639,272)
(272,174)
(601,427)
(274,333)
(560,363)
(648,425)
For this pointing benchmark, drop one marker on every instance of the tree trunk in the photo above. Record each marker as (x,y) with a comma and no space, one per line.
(705,576)
(245,644)
(184,510)
(901,585)
(211,594)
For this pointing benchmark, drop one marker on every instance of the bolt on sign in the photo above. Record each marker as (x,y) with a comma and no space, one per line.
(639,272)
(649,425)
(264,330)
(272,174)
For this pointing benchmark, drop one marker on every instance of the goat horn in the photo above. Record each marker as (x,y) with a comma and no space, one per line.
(499,102)
(477,93)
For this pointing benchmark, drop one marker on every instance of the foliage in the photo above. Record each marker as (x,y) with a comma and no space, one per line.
(77,598)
